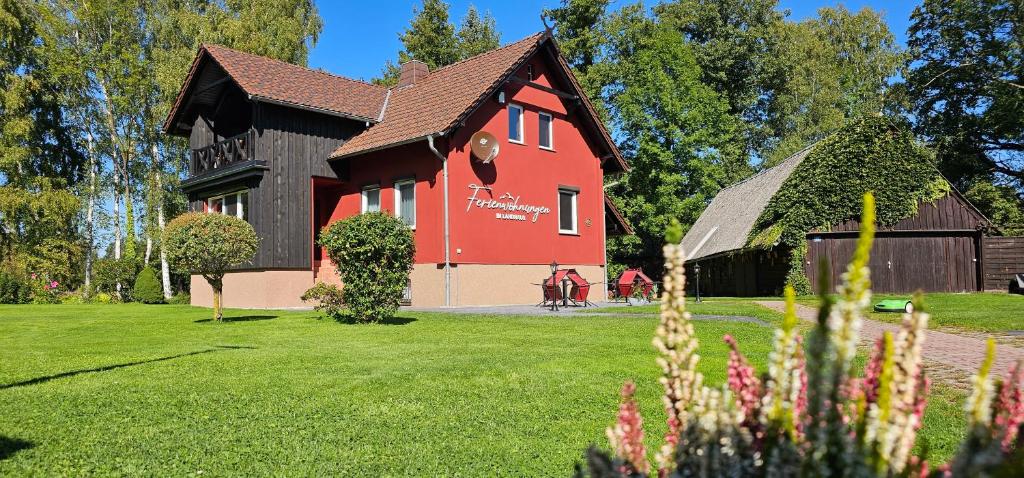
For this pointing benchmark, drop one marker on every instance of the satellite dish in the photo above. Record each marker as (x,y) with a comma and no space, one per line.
(484,146)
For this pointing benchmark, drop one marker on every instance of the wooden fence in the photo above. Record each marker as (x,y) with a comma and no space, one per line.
(1002,258)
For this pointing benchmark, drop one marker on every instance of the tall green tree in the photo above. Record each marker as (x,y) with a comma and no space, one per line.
(578,31)
(477,34)
(836,67)
(965,87)
(737,46)
(40,159)
(677,133)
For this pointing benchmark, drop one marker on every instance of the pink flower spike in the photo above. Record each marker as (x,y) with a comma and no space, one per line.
(1009,407)
(627,437)
(33,275)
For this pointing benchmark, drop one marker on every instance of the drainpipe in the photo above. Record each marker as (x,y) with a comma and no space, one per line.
(447,241)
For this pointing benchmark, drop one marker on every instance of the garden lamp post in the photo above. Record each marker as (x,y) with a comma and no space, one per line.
(554,292)
(696,272)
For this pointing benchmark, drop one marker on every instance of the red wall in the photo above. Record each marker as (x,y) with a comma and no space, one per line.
(533,174)
(524,170)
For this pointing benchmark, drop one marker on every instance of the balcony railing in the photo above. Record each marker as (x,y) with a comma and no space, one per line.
(236,149)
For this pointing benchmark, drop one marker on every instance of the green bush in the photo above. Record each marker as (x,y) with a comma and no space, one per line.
(209,244)
(72,298)
(181,298)
(373,253)
(329,299)
(147,287)
(108,273)
(15,285)
(101,298)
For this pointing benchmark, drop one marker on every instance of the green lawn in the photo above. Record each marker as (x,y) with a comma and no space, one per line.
(984,312)
(157,390)
(981,312)
(160,390)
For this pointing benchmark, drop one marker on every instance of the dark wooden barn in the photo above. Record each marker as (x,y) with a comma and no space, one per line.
(940,249)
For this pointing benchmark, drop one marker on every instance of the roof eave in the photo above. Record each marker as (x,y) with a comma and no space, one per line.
(383,146)
(290,104)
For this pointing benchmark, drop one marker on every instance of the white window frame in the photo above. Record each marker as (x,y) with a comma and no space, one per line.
(551,131)
(522,124)
(398,200)
(239,206)
(366,200)
(575,211)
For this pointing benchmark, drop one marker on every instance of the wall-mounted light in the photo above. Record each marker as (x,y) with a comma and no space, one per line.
(501,97)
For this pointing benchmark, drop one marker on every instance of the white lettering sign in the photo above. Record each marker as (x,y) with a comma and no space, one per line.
(514,211)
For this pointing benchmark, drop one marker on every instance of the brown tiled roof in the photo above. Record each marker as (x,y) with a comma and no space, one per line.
(282,82)
(437,102)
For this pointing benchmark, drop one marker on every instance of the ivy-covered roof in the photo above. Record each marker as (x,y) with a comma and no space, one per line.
(819,187)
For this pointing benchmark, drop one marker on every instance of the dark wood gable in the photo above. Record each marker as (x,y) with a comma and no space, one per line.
(950,213)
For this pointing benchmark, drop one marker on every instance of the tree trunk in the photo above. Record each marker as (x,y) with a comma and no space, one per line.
(165,269)
(117,214)
(218,292)
(90,226)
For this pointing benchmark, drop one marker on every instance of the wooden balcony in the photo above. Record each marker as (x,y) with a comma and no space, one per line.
(234,150)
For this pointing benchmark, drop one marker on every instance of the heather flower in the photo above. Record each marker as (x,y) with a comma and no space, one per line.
(1009,407)
(979,404)
(908,386)
(677,345)
(743,382)
(854,296)
(786,376)
(627,436)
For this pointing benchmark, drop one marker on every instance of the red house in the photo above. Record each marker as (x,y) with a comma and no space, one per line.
(291,149)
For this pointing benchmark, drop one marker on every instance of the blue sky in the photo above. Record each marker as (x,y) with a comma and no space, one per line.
(358,36)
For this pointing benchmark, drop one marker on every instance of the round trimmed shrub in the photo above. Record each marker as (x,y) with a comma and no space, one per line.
(147,287)
(209,245)
(373,253)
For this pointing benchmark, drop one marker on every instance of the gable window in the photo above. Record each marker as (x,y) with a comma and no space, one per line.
(405,202)
(231,204)
(544,135)
(371,199)
(567,210)
(515,124)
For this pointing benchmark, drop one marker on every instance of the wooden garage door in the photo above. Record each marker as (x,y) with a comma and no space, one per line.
(901,262)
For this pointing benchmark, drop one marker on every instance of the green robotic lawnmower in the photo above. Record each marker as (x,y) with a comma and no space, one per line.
(895,305)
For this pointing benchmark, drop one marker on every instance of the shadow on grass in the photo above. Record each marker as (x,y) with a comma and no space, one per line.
(9,446)
(245,318)
(47,378)
(348,319)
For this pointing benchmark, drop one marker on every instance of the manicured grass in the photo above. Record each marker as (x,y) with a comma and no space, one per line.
(945,423)
(984,312)
(158,390)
